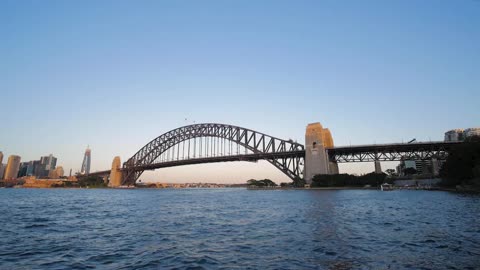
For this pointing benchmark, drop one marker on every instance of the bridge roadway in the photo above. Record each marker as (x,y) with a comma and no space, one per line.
(181,162)
(342,154)
(391,152)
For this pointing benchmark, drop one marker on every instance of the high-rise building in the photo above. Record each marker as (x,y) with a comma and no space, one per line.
(33,167)
(1,165)
(22,171)
(49,161)
(2,170)
(454,135)
(86,162)
(13,166)
(46,164)
(57,173)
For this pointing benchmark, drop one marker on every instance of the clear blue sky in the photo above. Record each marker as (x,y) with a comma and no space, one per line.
(116,74)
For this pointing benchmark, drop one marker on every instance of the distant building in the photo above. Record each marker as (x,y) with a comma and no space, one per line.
(1,165)
(22,171)
(13,166)
(454,135)
(469,132)
(57,173)
(46,164)
(50,162)
(33,167)
(60,171)
(2,170)
(459,135)
(420,166)
(86,162)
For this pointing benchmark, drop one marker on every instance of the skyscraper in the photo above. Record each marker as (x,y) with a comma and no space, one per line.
(47,164)
(86,162)
(13,166)
(22,171)
(2,170)
(33,168)
(1,164)
(50,162)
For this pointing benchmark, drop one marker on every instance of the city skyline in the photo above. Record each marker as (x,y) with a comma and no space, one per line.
(118,75)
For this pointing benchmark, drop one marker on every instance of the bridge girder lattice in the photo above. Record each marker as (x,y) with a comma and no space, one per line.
(211,142)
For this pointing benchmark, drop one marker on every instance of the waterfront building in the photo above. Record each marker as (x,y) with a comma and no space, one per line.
(469,132)
(47,164)
(22,171)
(13,166)
(50,162)
(60,172)
(2,170)
(86,162)
(57,173)
(1,164)
(33,167)
(454,135)
(420,166)
(459,135)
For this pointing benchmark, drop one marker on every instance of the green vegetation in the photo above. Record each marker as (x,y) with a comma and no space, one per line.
(391,173)
(261,183)
(348,180)
(91,182)
(299,182)
(462,166)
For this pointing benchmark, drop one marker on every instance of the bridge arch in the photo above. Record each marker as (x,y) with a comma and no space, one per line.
(286,155)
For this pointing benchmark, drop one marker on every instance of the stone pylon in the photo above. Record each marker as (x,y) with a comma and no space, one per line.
(115,174)
(317,139)
(378,167)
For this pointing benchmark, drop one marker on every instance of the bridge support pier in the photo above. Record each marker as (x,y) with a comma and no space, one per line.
(317,139)
(435,167)
(115,173)
(378,166)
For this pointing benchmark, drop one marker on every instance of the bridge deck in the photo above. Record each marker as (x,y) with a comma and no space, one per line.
(341,154)
(390,152)
(182,162)
(247,157)
(391,147)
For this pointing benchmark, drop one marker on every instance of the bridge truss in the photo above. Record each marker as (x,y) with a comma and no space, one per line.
(210,142)
(391,152)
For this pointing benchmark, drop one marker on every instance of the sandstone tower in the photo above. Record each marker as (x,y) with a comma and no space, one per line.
(115,174)
(317,139)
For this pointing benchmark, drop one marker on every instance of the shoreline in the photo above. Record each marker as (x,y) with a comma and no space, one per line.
(456,190)
(313,188)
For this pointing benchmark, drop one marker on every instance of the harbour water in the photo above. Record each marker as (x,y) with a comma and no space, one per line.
(238,228)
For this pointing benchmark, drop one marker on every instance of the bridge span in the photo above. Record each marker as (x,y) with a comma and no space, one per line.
(211,142)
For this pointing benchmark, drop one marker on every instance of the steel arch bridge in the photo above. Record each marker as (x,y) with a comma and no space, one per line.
(211,142)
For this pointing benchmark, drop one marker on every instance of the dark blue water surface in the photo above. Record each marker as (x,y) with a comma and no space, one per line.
(237,228)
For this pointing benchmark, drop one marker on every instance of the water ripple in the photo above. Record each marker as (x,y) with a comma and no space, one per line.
(236,228)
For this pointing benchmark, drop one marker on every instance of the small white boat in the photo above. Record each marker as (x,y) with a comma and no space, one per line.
(386,187)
